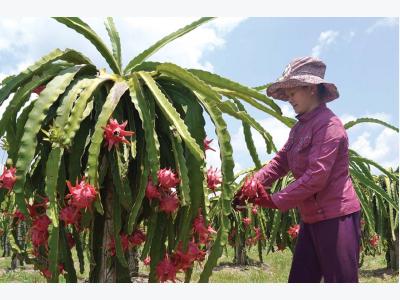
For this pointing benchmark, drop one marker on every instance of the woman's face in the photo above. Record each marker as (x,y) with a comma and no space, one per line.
(303,98)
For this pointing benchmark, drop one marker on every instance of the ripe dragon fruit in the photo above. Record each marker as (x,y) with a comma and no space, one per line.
(82,194)
(250,188)
(246,221)
(137,238)
(41,223)
(231,237)
(374,240)
(147,261)
(70,215)
(166,270)
(8,178)
(70,240)
(152,191)
(19,215)
(214,178)
(39,237)
(46,273)
(199,227)
(195,253)
(124,241)
(181,261)
(254,210)
(125,244)
(184,260)
(38,209)
(169,203)
(207,144)
(167,178)
(257,237)
(293,231)
(115,133)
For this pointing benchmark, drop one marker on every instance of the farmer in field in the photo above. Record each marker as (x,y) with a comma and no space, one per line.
(317,154)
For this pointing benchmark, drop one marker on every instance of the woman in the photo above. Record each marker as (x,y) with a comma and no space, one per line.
(317,154)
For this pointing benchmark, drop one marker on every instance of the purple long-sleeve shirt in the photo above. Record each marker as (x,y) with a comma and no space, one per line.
(317,154)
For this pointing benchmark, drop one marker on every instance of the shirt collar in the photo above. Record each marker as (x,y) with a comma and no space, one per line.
(311,114)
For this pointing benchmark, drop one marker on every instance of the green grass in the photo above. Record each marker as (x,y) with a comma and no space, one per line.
(275,269)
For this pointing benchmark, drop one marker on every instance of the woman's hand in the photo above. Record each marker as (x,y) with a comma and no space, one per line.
(264,199)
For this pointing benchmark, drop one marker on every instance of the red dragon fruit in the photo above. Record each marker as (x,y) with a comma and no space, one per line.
(124,244)
(46,273)
(246,221)
(39,237)
(169,203)
(294,231)
(8,178)
(214,178)
(70,240)
(166,270)
(254,210)
(199,225)
(124,241)
(115,133)
(70,215)
(82,194)
(41,223)
(137,238)
(199,228)
(147,261)
(37,209)
(257,237)
(250,188)
(167,178)
(19,215)
(195,253)
(152,191)
(374,240)
(184,260)
(111,247)
(181,261)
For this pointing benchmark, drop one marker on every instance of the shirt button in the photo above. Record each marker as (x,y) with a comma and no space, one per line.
(319,211)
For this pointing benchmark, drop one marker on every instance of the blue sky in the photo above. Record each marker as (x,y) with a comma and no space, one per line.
(362,57)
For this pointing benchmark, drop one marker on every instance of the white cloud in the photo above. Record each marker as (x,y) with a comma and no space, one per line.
(186,51)
(384,22)
(25,40)
(374,141)
(29,39)
(325,39)
(384,149)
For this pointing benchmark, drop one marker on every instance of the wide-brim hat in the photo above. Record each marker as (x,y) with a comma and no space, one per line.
(303,71)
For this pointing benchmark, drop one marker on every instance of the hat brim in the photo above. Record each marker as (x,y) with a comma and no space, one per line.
(277,89)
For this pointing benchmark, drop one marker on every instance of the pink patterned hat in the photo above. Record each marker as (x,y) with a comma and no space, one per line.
(303,71)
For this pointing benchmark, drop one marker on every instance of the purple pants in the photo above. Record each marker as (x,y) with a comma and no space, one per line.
(328,249)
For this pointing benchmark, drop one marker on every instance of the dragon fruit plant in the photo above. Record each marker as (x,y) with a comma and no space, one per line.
(119,157)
